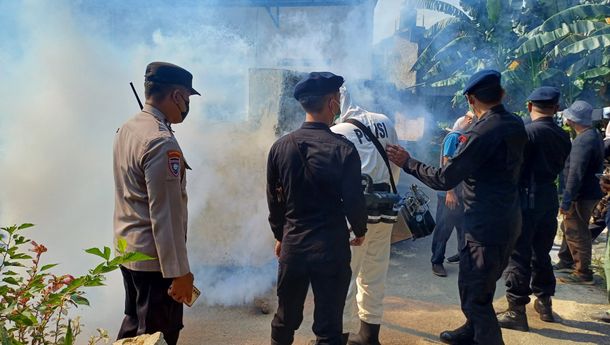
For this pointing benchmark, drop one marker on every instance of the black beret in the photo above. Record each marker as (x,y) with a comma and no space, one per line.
(545,94)
(483,79)
(318,84)
(167,73)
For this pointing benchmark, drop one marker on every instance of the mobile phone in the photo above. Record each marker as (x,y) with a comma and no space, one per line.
(196,294)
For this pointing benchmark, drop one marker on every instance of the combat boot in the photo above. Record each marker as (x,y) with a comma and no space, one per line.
(514,318)
(344,338)
(460,336)
(368,335)
(544,307)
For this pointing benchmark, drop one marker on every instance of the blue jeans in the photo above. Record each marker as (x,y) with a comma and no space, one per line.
(446,220)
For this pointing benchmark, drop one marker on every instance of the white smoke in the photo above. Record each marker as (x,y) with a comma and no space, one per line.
(64,73)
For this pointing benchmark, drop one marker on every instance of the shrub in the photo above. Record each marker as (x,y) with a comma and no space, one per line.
(34,303)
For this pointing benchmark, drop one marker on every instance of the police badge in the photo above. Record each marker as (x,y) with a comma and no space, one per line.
(173,162)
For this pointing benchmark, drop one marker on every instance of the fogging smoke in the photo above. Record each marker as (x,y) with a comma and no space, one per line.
(65,69)
(65,72)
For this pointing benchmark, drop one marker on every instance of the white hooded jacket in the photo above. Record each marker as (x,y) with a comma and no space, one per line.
(371,161)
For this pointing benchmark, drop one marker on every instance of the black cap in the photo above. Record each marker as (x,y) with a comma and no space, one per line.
(318,84)
(167,73)
(483,79)
(545,95)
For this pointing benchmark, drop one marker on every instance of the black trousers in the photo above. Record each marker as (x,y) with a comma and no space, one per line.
(530,269)
(148,307)
(329,282)
(480,267)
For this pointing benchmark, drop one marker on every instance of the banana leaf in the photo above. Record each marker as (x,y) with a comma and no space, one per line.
(439,42)
(602,31)
(453,81)
(597,58)
(540,41)
(444,26)
(494,7)
(459,49)
(573,14)
(438,6)
(587,45)
(595,73)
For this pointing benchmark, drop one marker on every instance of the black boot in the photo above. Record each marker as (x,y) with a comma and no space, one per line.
(544,307)
(344,338)
(368,335)
(460,336)
(514,318)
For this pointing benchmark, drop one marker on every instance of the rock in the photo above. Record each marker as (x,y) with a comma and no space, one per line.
(145,339)
(263,305)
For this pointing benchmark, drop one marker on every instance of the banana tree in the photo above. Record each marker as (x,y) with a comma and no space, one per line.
(564,43)
(570,49)
(476,35)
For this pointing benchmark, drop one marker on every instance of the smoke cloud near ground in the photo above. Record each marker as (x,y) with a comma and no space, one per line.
(64,73)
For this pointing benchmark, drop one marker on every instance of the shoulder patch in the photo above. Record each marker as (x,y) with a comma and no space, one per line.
(173,162)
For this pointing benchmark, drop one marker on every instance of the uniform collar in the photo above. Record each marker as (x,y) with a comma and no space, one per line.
(545,119)
(498,109)
(314,125)
(158,114)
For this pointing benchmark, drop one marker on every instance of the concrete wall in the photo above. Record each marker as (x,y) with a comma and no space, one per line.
(309,38)
(271,99)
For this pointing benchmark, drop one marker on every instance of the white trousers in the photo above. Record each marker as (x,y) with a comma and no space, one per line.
(369,265)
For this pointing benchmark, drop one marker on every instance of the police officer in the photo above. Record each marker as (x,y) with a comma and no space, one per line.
(370,261)
(150,206)
(313,184)
(489,163)
(546,151)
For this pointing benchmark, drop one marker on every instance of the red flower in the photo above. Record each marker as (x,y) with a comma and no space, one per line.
(67,279)
(38,248)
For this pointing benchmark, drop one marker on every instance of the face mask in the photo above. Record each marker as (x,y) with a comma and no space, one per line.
(472,108)
(185,112)
(337,114)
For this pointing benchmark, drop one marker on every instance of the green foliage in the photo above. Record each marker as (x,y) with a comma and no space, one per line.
(34,303)
(563,43)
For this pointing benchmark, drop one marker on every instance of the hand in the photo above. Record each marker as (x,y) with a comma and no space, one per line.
(397,154)
(278,248)
(451,200)
(181,289)
(357,242)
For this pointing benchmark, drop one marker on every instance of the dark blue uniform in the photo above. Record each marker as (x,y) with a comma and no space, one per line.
(489,164)
(308,205)
(545,154)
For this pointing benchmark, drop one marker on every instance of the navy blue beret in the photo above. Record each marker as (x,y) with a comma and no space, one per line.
(545,94)
(318,84)
(483,79)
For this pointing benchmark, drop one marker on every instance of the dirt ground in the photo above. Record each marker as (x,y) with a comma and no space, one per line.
(418,306)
